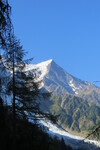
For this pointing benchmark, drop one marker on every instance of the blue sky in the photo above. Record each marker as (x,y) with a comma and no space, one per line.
(67,31)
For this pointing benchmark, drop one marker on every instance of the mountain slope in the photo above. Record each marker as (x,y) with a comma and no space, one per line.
(77,101)
(75,113)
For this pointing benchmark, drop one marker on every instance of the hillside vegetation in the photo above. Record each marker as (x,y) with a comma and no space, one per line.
(75,113)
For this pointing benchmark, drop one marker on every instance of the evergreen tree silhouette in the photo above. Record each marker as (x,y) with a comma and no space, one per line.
(5,22)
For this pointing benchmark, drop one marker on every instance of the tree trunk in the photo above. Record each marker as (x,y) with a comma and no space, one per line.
(14,111)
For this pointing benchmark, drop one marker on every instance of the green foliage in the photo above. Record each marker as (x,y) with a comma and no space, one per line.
(75,113)
(91,96)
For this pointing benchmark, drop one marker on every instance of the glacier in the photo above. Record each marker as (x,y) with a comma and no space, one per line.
(70,139)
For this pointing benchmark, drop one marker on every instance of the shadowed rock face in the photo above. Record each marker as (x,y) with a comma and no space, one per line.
(59,81)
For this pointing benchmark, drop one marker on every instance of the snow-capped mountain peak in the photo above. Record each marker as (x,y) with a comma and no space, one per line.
(56,79)
(42,64)
(41,69)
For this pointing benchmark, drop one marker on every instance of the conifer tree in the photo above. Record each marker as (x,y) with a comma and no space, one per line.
(5,22)
(22,85)
(3,79)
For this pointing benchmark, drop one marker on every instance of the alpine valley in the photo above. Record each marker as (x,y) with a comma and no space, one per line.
(77,102)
